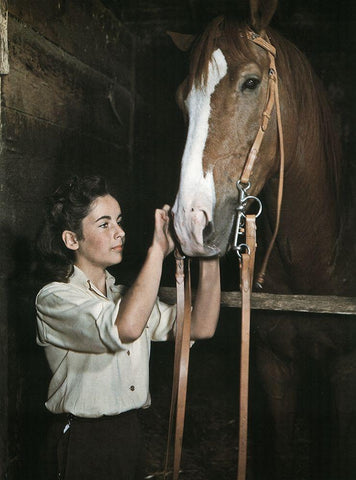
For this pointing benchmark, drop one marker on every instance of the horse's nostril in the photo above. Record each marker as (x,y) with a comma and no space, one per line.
(208,231)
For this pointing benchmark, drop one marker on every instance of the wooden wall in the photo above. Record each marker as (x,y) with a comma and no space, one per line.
(67,106)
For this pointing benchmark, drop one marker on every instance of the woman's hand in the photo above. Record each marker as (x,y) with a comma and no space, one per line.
(162,238)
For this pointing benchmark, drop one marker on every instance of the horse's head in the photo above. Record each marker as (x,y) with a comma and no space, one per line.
(223,99)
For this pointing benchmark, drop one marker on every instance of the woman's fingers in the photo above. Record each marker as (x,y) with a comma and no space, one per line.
(162,226)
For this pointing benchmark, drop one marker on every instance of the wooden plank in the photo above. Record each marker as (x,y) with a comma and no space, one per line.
(51,85)
(85,30)
(286,303)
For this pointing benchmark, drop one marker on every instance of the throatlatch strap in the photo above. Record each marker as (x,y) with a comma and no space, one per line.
(246,279)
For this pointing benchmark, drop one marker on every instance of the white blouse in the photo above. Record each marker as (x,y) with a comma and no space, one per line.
(94,373)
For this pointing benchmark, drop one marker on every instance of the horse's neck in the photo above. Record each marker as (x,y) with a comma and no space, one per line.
(308,230)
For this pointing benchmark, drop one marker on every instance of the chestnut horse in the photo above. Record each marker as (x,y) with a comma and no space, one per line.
(223,97)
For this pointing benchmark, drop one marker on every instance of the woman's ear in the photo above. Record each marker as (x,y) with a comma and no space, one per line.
(70,240)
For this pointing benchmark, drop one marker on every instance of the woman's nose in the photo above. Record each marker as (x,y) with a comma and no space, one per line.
(119,232)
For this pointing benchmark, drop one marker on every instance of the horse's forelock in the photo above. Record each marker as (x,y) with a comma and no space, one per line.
(222,32)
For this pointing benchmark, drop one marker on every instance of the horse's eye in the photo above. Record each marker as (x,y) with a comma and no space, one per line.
(250,84)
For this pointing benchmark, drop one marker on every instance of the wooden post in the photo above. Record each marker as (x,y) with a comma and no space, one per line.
(4,69)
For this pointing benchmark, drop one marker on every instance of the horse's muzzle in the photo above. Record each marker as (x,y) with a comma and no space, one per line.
(195,233)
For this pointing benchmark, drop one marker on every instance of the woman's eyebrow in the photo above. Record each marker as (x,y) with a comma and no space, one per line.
(104,217)
(108,217)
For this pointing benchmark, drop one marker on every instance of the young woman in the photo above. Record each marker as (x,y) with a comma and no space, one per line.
(96,341)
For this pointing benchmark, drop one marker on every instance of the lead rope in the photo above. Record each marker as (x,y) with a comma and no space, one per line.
(181,364)
(247,261)
(183,376)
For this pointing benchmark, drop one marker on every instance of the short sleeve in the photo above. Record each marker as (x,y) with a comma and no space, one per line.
(161,323)
(69,318)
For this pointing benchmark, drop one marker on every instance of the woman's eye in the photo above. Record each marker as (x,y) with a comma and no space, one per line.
(250,84)
(104,225)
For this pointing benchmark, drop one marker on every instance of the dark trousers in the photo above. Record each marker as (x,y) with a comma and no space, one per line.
(105,448)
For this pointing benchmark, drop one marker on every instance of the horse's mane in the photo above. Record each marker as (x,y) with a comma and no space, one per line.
(295,73)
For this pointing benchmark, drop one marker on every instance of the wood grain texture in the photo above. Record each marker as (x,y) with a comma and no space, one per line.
(285,303)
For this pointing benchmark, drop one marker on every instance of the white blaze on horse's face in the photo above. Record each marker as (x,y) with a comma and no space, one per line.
(195,202)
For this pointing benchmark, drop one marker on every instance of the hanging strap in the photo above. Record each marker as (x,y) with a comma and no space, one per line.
(178,342)
(246,279)
(181,364)
(262,273)
(183,376)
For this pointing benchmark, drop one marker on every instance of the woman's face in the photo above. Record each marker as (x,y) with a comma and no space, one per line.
(102,235)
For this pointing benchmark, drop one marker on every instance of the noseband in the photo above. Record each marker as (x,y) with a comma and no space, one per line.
(243,184)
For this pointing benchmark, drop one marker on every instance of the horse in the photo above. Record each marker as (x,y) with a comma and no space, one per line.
(223,98)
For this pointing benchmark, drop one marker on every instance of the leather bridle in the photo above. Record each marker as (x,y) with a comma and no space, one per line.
(272,100)
(245,227)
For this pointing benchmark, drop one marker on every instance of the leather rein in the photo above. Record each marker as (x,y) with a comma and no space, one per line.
(245,226)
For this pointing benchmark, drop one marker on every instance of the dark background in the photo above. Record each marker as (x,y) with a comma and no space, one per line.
(91,90)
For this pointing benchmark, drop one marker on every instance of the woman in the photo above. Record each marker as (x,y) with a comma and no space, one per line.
(96,341)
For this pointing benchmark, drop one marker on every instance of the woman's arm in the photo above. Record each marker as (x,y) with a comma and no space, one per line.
(206,309)
(138,302)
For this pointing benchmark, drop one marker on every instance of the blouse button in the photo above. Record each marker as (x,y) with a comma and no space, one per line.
(132,388)
(128,352)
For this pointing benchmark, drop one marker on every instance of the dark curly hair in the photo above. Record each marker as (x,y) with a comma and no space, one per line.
(66,208)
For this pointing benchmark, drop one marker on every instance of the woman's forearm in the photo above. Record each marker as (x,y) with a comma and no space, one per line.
(206,309)
(138,302)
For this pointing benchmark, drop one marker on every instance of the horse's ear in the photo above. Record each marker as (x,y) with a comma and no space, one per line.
(182,41)
(262,12)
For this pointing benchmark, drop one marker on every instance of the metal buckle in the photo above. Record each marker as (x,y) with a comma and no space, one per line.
(241,215)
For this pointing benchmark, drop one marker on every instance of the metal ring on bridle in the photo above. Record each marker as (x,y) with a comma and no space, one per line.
(243,186)
(251,197)
(241,246)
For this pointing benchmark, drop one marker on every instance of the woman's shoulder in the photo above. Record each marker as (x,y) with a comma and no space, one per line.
(62,290)
(50,288)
